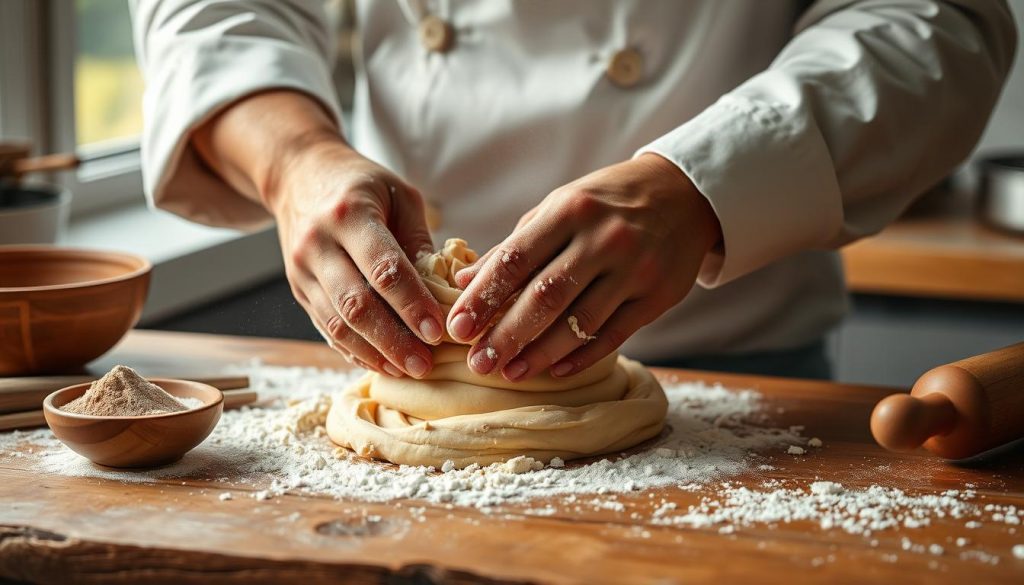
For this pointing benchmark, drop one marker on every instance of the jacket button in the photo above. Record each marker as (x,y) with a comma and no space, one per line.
(436,34)
(625,68)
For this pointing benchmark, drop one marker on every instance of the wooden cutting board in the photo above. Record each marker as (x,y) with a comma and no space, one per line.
(64,529)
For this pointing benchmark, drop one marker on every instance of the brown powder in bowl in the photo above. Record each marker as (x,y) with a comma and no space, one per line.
(122,392)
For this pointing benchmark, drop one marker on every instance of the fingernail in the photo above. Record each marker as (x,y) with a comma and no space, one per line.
(392,370)
(482,361)
(561,369)
(516,369)
(462,326)
(416,365)
(430,330)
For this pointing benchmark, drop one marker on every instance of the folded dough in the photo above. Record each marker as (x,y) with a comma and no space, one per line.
(458,415)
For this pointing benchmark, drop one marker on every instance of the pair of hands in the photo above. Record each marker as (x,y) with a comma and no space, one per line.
(611,251)
(614,249)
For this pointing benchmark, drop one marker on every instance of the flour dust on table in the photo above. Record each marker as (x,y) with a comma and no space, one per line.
(712,434)
(280,445)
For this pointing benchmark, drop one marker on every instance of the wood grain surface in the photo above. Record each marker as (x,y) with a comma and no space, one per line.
(942,251)
(56,529)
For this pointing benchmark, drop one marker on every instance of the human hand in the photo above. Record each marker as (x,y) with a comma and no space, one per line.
(611,251)
(349,229)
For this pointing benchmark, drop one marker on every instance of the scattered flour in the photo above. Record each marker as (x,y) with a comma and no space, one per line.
(830,505)
(712,433)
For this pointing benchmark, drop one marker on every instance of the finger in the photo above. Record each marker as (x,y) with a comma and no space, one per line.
(525,219)
(410,221)
(467,274)
(629,317)
(362,309)
(505,273)
(338,335)
(590,311)
(537,307)
(385,265)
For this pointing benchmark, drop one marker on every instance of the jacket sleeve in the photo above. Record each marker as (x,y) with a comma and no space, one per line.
(198,56)
(871,103)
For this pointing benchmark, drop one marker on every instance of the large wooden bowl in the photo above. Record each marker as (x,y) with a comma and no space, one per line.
(136,441)
(62,308)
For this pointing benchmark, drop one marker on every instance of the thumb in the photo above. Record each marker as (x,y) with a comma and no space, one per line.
(409,222)
(467,274)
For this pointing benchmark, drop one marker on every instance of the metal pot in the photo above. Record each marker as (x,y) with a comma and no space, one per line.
(33,214)
(1002,191)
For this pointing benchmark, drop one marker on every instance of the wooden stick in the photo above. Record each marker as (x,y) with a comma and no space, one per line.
(34,418)
(45,163)
(28,393)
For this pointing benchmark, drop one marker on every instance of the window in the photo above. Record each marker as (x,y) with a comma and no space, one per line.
(108,85)
(68,82)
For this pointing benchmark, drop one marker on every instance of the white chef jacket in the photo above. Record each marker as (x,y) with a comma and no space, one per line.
(805,129)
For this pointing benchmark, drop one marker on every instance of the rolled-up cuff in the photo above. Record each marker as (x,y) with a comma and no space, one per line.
(206,78)
(768,177)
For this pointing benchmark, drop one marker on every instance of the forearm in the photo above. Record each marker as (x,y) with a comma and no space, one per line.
(201,58)
(253,141)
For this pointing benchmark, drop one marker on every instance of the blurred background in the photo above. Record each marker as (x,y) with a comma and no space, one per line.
(939,285)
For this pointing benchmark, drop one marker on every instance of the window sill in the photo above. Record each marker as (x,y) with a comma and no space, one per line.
(192,264)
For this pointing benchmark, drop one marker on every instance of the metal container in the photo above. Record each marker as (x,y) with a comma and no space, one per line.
(1001,204)
(33,213)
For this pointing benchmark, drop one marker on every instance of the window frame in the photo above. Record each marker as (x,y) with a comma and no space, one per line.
(21,71)
(37,103)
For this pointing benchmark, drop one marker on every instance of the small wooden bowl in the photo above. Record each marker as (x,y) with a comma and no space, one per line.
(61,308)
(136,441)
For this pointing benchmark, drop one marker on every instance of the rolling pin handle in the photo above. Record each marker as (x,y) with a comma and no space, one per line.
(902,422)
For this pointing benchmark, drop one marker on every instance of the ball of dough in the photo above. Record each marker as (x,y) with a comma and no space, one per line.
(457,415)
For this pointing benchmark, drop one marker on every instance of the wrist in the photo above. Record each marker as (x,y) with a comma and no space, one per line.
(296,157)
(704,224)
(252,142)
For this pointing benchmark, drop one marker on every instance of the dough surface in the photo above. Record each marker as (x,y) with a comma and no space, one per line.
(458,415)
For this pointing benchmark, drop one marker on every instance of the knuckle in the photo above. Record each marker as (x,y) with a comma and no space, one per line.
(385,274)
(582,203)
(346,208)
(297,257)
(585,320)
(619,234)
(355,305)
(548,294)
(512,263)
(410,307)
(336,327)
(306,244)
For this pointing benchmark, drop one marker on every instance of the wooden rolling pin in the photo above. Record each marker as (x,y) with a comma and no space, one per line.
(34,418)
(28,393)
(959,409)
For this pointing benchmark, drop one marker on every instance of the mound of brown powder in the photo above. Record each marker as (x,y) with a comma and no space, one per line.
(122,392)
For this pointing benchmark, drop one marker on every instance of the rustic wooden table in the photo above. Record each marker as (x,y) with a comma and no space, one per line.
(58,529)
(940,250)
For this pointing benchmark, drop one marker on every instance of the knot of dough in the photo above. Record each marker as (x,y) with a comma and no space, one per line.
(455,414)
